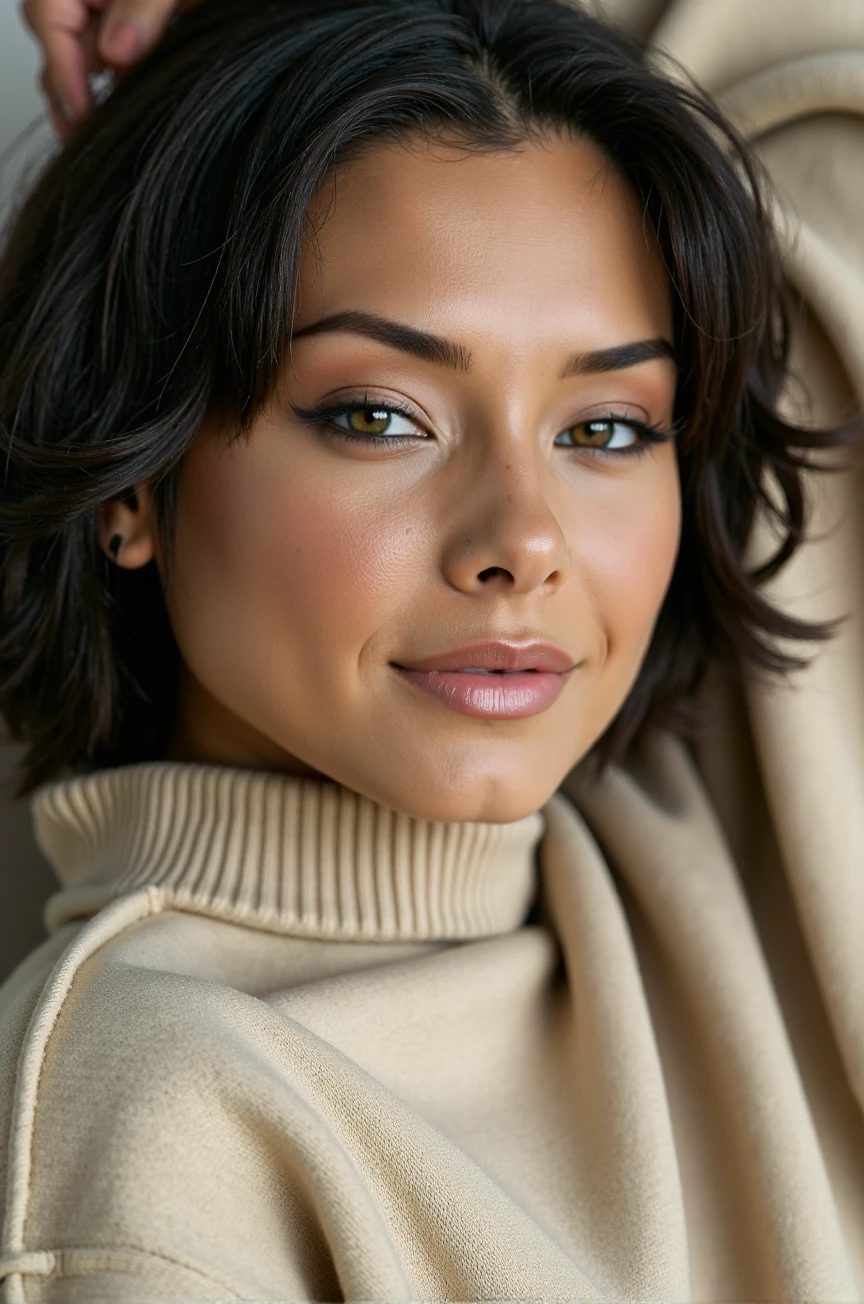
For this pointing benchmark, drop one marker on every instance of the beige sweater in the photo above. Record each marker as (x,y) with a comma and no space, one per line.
(282,1044)
(285,1044)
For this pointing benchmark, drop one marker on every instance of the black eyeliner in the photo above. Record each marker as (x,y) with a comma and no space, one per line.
(325,416)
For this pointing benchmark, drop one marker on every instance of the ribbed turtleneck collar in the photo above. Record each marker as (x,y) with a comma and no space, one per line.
(289,855)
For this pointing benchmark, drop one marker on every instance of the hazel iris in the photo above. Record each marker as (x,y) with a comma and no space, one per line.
(369,420)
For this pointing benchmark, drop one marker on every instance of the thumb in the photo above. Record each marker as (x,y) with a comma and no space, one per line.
(130,28)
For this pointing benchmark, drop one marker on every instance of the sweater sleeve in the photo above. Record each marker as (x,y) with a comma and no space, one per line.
(156,1148)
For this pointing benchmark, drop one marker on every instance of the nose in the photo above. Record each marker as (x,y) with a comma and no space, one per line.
(507,535)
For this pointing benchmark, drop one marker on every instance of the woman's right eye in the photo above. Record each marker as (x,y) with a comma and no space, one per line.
(363,420)
(376,421)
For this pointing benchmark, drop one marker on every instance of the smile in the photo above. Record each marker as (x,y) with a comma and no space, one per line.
(494,680)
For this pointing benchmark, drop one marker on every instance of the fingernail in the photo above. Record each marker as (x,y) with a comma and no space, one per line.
(123,42)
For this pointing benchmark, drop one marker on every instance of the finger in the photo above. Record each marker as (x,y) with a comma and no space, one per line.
(58,25)
(56,113)
(67,69)
(130,28)
(39,15)
(93,61)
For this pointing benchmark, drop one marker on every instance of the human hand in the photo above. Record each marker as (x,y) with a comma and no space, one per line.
(83,37)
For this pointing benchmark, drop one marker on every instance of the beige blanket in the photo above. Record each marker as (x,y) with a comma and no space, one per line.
(775,1103)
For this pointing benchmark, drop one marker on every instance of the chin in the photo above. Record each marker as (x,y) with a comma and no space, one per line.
(492,800)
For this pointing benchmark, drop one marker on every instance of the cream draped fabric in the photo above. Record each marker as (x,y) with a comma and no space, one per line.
(784,765)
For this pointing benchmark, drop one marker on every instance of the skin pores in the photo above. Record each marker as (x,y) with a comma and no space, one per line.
(310,566)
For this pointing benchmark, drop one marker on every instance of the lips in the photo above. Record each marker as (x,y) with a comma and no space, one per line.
(495,681)
(498,657)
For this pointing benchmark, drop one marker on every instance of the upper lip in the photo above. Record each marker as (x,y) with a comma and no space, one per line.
(497,654)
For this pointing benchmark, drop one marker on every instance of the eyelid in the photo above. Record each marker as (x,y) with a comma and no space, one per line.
(647,432)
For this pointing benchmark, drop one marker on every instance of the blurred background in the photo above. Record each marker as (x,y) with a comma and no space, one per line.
(25,141)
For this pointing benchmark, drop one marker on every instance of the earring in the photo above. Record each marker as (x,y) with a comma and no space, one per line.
(115,544)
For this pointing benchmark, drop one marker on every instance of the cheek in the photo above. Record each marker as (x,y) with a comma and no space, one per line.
(278,566)
(627,553)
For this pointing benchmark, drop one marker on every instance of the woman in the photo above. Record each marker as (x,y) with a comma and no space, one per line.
(388,393)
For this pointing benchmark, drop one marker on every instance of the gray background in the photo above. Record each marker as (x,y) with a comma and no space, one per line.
(25,141)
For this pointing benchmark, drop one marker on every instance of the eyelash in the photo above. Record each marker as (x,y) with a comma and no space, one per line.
(326,416)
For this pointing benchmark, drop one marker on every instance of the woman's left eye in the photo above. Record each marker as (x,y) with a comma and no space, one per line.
(609,434)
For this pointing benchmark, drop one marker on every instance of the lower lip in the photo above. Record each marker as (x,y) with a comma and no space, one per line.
(492,697)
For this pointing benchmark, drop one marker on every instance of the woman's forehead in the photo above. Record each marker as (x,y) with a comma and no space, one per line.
(545,239)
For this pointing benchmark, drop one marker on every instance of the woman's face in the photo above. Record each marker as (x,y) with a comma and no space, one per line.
(441,607)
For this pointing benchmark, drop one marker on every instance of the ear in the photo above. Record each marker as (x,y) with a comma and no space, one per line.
(127,528)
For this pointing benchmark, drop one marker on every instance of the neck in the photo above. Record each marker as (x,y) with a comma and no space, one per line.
(207,732)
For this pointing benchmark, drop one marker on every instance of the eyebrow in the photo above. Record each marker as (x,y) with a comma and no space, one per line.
(433,348)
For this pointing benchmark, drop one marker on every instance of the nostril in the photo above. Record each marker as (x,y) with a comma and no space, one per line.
(488,573)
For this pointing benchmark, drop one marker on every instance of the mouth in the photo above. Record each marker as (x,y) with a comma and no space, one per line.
(493,680)
(497,656)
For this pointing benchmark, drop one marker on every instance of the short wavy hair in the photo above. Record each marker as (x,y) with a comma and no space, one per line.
(149,278)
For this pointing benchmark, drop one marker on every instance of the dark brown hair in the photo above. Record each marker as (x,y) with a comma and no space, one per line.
(149,278)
